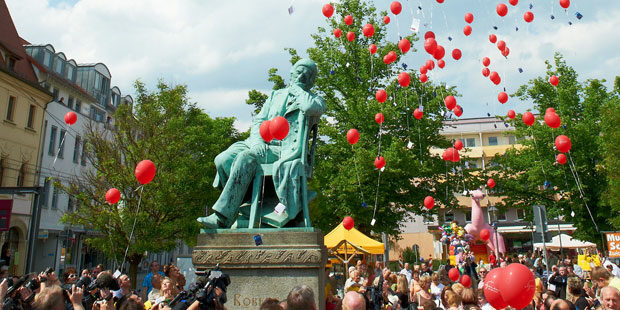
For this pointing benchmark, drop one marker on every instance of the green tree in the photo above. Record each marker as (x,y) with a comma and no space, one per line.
(524,170)
(182,141)
(610,142)
(345,177)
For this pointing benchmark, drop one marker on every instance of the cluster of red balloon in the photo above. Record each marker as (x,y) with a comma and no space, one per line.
(437,51)
(513,285)
(451,154)
(455,275)
(552,119)
(469,18)
(144,172)
(450,103)
(277,128)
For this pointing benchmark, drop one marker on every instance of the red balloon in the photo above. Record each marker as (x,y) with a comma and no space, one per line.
(368,30)
(439,52)
(328,10)
(430,64)
(554,80)
(392,55)
(519,286)
(372,48)
(486,72)
(348,20)
(469,18)
(417,113)
(501,9)
(451,154)
(350,36)
(379,162)
(486,61)
(491,183)
(528,17)
(423,69)
(513,2)
(379,118)
(494,77)
(440,1)
(423,78)
(562,143)
(404,79)
(404,45)
(450,102)
(429,34)
(396,7)
(465,280)
(456,54)
(553,120)
(430,45)
(565,3)
(550,110)
(337,32)
(381,95)
(112,196)
(493,38)
(353,136)
(264,131)
(386,19)
(441,63)
(70,118)
(145,171)
(348,223)
(458,145)
(429,202)
(492,284)
(561,158)
(501,45)
(502,97)
(506,51)
(454,274)
(528,118)
(485,234)
(511,114)
(467,30)
(458,111)
(279,128)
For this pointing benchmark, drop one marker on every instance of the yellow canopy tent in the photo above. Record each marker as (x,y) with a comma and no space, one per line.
(350,242)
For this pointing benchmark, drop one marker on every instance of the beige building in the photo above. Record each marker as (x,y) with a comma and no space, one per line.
(22,109)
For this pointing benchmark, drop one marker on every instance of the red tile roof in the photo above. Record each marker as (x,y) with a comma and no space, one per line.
(12,42)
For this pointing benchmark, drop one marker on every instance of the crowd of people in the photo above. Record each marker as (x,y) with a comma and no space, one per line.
(565,287)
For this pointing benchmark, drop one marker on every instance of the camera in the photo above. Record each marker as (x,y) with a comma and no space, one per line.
(204,291)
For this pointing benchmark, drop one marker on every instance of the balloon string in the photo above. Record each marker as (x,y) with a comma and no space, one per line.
(578,181)
(135,219)
(262,195)
(407,112)
(537,153)
(359,183)
(374,212)
(61,145)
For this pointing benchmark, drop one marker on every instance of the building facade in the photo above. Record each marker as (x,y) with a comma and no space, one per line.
(482,138)
(84,89)
(22,109)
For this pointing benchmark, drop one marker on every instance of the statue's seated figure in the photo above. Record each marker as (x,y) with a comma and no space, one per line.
(244,161)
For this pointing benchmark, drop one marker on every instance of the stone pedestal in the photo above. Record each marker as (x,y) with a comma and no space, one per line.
(287,257)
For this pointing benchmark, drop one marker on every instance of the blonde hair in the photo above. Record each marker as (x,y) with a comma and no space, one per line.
(458,288)
(468,296)
(453,299)
(49,298)
(401,285)
(424,280)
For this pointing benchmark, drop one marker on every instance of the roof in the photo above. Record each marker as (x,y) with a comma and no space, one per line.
(355,238)
(60,78)
(12,42)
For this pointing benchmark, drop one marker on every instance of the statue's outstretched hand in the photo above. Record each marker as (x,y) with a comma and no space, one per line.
(259,149)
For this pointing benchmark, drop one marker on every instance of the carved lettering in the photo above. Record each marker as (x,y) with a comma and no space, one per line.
(240,301)
(267,257)
(237,302)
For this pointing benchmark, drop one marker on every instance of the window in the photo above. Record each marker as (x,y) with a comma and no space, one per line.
(61,146)
(47,58)
(11,63)
(492,140)
(512,140)
(69,72)
(471,142)
(47,186)
(520,214)
(83,160)
(31,111)
(58,65)
(70,203)
(467,216)
(501,215)
(21,176)
(10,109)
(52,148)
(97,115)
(78,106)
(55,198)
(70,102)
(76,149)
(448,217)
(55,93)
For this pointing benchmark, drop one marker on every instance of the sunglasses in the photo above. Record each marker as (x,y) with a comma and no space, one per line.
(73,275)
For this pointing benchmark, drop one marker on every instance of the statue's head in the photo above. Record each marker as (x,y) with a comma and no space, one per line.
(476,194)
(303,73)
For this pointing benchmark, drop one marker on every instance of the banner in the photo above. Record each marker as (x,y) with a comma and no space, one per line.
(613,244)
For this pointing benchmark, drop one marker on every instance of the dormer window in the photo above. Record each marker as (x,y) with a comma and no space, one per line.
(11,63)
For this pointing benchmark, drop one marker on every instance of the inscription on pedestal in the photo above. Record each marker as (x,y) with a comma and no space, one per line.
(250,257)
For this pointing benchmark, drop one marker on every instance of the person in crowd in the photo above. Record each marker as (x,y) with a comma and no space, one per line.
(482,301)
(85,273)
(458,288)
(559,279)
(168,291)
(172,271)
(549,299)
(436,286)
(301,298)
(482,273)
(353,301)
(426,270)
(402,291)
(562,304)
(414,284)
(603,278)
(469,299)
(156,287)
(354,282)
(270,304)
(378,268)
(69,277)
(610,298)
(121,296)
(577,269)
(576,295)
(452,300)
(5,255)
(423,294)
(147,284)
(407,272)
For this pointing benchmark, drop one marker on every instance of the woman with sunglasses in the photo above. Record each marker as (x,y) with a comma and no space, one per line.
(69,277)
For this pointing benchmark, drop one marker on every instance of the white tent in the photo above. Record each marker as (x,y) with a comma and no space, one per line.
(567,243)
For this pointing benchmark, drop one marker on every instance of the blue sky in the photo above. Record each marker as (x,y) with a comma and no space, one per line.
(223,49)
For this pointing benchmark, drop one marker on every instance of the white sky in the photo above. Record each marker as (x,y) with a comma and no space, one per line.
(222,49)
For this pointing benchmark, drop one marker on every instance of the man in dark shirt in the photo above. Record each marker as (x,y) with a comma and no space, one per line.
(560,282)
